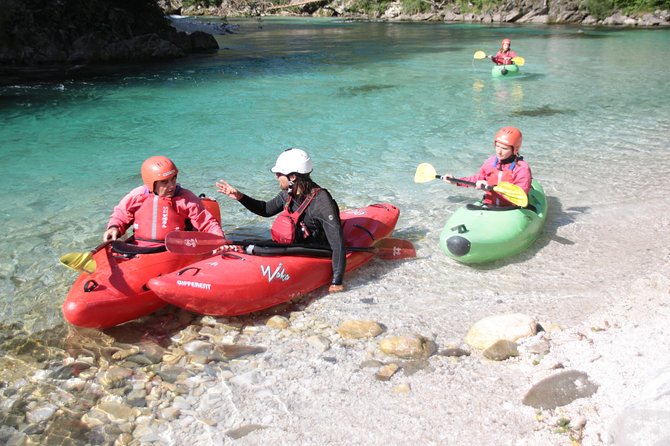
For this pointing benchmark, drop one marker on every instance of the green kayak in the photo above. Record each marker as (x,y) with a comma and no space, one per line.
(476,234)
(504,70)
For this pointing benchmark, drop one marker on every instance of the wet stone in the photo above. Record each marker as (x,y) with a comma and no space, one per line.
(454,352)
(171,374)
(115,377)
(278,322)
(243,431)
(559,390)
(357,329)
(137,398)
(320,343)
(69,371)
(537,346)
(501,350)
(41,413)
(386,372)
(510,327)
(409,368)
(402,388)
(408,347)
(234,351)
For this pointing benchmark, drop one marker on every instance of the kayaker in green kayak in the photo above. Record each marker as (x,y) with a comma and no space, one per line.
(505,166)
(505,54)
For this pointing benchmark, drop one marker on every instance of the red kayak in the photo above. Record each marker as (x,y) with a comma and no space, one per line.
(232,284)
(116,290)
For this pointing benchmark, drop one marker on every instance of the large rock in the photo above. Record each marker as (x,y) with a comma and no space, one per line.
(48,37)
(508,327)
(559,390)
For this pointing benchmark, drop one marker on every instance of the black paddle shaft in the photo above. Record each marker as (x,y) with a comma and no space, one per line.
(468,183)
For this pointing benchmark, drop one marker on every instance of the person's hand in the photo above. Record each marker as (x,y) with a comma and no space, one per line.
(481,184)
(447,178)
(111,234)
(225,188)
(229,246)
(336,288)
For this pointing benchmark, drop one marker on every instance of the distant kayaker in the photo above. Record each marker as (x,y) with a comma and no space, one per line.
(505,54)
(159,207)
(308,213)
(506,165)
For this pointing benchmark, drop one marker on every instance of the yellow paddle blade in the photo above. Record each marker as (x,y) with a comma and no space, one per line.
(79,261)
(480,55)
(513,193)
(424,173)
(518,60)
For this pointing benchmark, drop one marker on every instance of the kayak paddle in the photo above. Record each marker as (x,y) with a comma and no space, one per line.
(82,262)
(193,242)
(514,194)
(518,60)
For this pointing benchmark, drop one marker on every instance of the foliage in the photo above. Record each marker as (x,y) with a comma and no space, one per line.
(203,3)
(415,6)
(599,8)
(477,5)
(628,6)
(370,7)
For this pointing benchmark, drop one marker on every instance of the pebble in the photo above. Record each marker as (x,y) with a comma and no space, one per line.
(357,329)
(408,347)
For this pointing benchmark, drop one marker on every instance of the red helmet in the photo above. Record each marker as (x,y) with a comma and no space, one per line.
(506,41)
(510,136)
(157,168)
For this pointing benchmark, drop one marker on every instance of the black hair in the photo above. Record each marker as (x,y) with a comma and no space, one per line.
(303,184)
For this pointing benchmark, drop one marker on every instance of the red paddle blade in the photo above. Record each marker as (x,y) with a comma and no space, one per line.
(193,243)
(395,249)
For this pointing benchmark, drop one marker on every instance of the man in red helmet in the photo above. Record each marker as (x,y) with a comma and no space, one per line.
(159,207)
(505,54)
(505,166)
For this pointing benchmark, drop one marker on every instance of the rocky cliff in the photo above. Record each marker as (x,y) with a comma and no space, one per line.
(39,38)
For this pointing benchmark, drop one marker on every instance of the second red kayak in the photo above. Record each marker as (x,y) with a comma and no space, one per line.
(232,284)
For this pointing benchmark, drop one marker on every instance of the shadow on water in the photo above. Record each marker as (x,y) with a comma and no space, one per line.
(545,110)
(556,218)
(362,89)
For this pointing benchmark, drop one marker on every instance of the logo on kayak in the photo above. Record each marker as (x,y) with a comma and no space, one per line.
(355,211)
(198,285)
(279,273)
(191,242)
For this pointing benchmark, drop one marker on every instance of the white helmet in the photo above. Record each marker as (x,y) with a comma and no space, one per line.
(293,160)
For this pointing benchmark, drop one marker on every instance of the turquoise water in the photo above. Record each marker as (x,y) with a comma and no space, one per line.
(369,101)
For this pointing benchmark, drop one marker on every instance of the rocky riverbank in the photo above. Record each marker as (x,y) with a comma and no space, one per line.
(55,39)
(306,374)
(526,11)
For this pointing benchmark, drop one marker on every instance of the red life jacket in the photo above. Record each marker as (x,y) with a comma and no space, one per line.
(500,173)
(155,218)
(284,227)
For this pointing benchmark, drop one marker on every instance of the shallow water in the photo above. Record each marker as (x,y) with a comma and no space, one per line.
(369,101)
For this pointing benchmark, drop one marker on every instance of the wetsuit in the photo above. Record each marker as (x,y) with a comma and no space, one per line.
(322,219)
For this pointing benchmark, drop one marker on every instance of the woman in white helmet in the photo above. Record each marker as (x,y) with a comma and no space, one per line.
(308,213)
